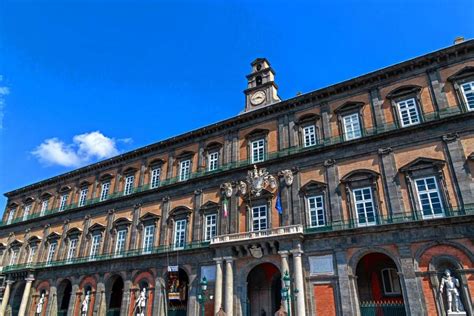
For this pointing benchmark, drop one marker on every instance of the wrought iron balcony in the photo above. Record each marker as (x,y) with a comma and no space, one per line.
(272,232)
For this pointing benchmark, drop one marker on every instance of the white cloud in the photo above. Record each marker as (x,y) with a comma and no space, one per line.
(3,92)
(84,148)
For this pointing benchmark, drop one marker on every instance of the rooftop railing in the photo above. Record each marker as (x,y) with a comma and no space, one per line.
(366,132)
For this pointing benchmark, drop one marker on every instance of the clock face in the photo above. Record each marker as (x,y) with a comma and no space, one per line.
(257,98)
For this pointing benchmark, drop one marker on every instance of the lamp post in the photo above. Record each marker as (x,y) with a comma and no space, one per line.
(202,297)
(286,295)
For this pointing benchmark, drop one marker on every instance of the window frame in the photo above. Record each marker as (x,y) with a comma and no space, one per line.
(210,228)
(82,197)
(259,218)
(104,190)
(428,192)
(391,281)
(63,202)
(119,251)
(44,206)
(307,135)
(316,209)
(51,251)
(184,169)
(182,234)
(31,253)
(129,184)
(260,156)
(14,252)
(95,247)
(155,177)
(414,106)
(363,202)
(71,249)
(11,215)
(148,238)
(26,211)
(344,126)
(463,93)
(213,160)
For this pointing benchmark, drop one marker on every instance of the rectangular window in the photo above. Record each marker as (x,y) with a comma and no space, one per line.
(211,227)
(391,282)
(31,254)
(120,245)
(44,207)
(258,150)
(148,238)
(213,159)
(468,92)
(62,202)
(10,216)
(179,234)
(104,193)
(155,177)
(184,170)
(259,218)
(26,212)
(408,112)
(128,185)
(429,198)
(309,135)
(364,206)
(51,252)
(83,197)
(71,251)
(352,128)
(95,246)
(317,216)
(14,257)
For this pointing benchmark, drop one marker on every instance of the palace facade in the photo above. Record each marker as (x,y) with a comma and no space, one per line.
(348,200)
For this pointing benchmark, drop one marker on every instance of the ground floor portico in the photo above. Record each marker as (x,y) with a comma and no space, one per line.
(390,272)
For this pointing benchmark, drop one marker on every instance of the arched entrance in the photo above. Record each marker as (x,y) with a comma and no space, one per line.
(264,290)
(379,287)
(177,284)
(115,295)
(15,300)
(64,295)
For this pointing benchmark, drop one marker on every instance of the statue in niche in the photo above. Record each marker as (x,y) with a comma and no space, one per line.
(450,285)
(140,303)
(39,306)
(85,304)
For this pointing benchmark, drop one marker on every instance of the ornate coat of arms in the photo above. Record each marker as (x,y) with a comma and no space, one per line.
(257,180)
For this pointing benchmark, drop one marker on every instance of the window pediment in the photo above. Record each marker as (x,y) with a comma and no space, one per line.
(265,195)
(307,118)
(180,212)
(209,207)
(212,146)
(187,154)
(106,176)
(96,229)
(256,133)
(64,189)
(471,156)
(84,183)
(422,163)
(313,186)
(149,218)
(349,106)
(53,237)
(122,221)
(403,90)
(16,244)
(359,176)
(33,240)
(73,232)
(28,200)
(45,195)
(467,71)
(13,205)
(130,171)
(156,162)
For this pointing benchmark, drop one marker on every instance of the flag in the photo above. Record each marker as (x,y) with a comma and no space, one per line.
(226,209)
(278,206)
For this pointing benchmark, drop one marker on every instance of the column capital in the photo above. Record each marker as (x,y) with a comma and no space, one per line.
(218,260)
(297,252)
(29,279)
(10,282)
(228,259)
(284,253)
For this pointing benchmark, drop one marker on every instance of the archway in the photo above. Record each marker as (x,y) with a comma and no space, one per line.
(264,290)
(115,296)
(379,287)
(177,285)
(15,300)
(64,295)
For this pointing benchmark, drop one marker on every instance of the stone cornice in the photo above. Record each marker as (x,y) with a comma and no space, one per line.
(366,82)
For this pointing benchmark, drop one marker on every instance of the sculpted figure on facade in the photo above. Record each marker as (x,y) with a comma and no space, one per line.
(227,189)
(140,303)
(287,176)
(258,179)
(85,304)
(449,287)
(39,306)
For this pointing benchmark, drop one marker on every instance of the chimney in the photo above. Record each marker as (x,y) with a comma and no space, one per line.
(458,40)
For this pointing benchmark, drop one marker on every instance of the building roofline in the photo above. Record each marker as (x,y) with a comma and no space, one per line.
(367,79)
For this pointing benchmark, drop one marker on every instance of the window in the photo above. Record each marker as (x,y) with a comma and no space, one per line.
(211,227)
(155,177)
(104,193)
(83,197)
(44,207)
(317,216)
(51,252)
(71,252)
(95,246)
(468,93)
(309,135)
(391,282)
(128,185)
(14,257)
(408,112)
(258,150)
(364,206)
(184,170)
(10,216)
(148,238)
(62,202)
(120,245)
(259,218)
(213,159)
(179,234)
(26,212)
(351,126)
(429,198)
(31,254)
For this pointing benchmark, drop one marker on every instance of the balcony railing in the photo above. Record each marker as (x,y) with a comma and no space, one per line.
(366,132)
(107,256)
(279,231)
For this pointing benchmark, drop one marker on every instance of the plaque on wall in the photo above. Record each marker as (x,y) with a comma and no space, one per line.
(321,264)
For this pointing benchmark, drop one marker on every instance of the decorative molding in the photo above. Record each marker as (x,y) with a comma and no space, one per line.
(226,189)
(257,180)
(451,137)
(287,175)
(198,192)
(329,162)
(385,151)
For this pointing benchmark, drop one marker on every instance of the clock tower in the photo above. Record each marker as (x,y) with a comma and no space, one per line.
(261,87)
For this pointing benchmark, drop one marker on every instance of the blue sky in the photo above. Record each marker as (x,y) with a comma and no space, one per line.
(84,80)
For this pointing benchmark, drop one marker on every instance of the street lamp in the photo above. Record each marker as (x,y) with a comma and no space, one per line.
(202,297)
(286,295)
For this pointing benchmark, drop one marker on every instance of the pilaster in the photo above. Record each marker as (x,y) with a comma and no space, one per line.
(197,222)
(376,102)
(334,194)
(325,119)
(164,220)
(413,292)
(348,301)
(72,300)
(437,89)
(134,227)
(126,298)
(391,181)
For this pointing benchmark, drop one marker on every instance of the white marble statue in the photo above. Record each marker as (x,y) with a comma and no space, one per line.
(85,304)
(450,285)
(39,306)
(140,303)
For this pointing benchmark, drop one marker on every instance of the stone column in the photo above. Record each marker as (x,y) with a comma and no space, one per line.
(158,299)
(285,267)
(299,282)
(229,286)
(26,296)
(73,300)
(6,297)
(218,287)
(347,301)
(52,308)
(126,298)
(100,302)
(413,291)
